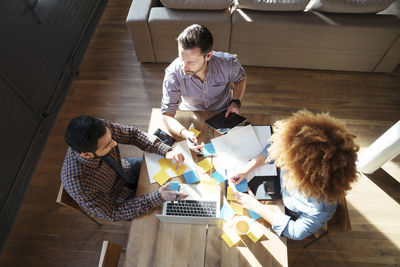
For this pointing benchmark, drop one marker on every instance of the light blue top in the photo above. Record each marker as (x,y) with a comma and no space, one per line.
(311,214)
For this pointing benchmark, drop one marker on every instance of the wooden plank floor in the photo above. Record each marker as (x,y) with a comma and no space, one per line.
(112,84)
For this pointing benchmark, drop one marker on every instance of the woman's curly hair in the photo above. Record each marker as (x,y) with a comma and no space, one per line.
(318,154)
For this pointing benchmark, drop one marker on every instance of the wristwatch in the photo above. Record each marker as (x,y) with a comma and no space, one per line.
(236,101)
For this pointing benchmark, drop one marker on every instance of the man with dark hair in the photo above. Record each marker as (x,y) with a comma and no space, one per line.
(98,179)
(200,80)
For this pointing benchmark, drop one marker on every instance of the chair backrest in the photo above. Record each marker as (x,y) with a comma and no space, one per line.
(65,199)
(110,253)
(340,221)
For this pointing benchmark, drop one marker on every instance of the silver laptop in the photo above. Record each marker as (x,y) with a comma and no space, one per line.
(201,207)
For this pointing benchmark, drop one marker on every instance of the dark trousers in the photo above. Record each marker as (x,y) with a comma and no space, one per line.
(135,164)
(293,215)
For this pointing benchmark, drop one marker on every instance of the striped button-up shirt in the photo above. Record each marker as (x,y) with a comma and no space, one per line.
(94,184)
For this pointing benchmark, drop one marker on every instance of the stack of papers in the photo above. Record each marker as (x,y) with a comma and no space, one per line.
(237,147)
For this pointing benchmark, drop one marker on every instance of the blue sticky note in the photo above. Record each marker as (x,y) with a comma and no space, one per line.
(242,186)
(254,215)
(219,177)
(191,177)
(227,212)
(174,186)
(208,150)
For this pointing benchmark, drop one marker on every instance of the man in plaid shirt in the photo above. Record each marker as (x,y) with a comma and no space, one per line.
(89,176)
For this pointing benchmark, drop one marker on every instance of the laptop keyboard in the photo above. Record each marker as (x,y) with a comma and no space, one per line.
(192,208)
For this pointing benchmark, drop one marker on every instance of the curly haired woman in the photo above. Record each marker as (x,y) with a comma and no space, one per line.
(317,155)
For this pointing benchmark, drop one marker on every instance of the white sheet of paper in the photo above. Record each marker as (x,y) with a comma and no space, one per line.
(237,147)
(262,132)
(264,170)
(152,164)
(153,167)
(263,135)
(182,147)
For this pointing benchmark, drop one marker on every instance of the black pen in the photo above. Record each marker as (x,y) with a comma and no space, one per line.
(193,143)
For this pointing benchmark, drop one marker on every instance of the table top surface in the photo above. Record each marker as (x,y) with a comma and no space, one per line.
(151,243)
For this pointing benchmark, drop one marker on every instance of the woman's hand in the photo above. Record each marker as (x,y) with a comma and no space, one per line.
(238,177)
(248,201)
(268,211)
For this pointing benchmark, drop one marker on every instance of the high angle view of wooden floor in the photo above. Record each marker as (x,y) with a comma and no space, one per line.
(112,84)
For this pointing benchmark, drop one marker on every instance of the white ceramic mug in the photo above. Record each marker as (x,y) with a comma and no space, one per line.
(242,225)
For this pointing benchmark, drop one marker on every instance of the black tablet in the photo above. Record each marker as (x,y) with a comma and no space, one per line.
(222,124)
(266,187)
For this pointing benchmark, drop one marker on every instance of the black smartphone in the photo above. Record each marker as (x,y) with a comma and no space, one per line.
(164,137)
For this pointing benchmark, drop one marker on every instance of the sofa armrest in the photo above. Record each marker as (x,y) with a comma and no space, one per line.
(391,59)
(139,29)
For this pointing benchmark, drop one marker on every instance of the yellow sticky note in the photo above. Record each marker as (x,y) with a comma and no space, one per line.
(161,177)
(181,169)
(229,195)
(238,209)
(196,132)
(256,232)
(212,182)
(205,165)
(165,164)
(253,237)
(230,237)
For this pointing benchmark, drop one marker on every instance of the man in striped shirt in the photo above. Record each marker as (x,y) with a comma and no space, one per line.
(100,181)
(200,79)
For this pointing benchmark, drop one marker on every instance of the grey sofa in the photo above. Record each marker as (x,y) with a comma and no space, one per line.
(282,36)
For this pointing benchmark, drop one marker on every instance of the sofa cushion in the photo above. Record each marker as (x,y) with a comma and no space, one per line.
(355,42)
(196,4)
(274,5)
(351,6)
(166,24)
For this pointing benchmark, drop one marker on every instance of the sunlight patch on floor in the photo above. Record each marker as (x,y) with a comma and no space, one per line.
(375,207)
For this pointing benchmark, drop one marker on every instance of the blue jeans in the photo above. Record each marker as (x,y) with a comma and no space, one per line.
(135,164)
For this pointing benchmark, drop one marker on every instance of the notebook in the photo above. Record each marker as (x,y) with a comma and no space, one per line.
(222,124)
(201,207)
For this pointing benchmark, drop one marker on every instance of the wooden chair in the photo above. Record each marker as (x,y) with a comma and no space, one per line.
(66,200)
(339,223)
(110,253)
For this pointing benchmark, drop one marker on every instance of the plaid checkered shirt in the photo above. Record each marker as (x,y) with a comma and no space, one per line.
(94,184)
